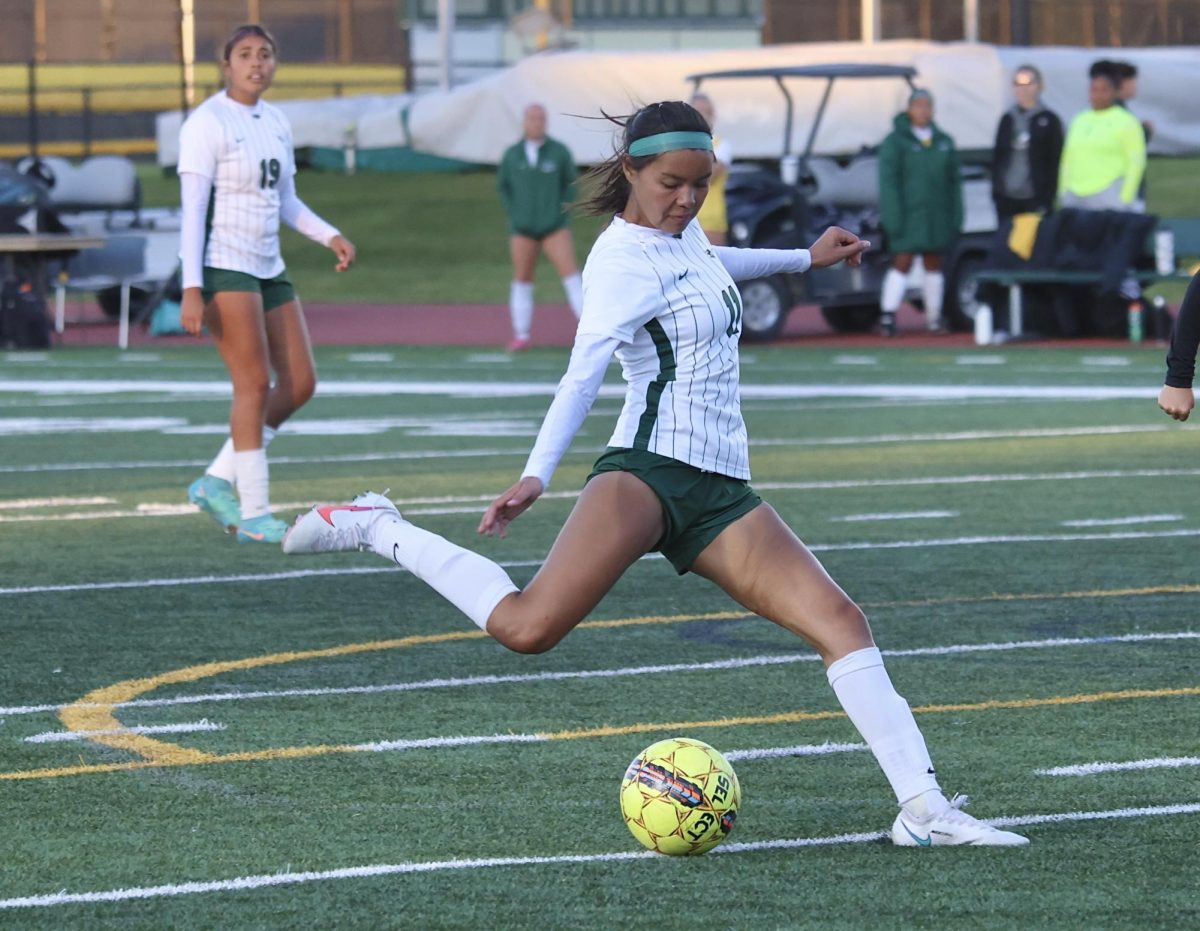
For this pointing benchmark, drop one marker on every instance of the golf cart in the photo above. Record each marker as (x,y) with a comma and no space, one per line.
(791,208)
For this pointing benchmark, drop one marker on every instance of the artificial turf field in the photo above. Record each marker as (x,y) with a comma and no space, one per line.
(324,742)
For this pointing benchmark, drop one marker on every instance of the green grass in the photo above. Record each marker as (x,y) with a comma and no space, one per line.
(134,595)
(442,238)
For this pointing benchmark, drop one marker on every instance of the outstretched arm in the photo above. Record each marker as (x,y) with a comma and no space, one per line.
(834,245)
(572,400)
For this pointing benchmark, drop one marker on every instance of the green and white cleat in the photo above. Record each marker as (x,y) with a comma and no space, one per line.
(216,498)
(338,528)
(265,528)
(951,828)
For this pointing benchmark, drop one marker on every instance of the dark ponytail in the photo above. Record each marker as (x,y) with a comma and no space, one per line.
(606,184)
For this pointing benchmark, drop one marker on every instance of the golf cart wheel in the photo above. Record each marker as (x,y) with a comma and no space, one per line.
(962,292)
(765,306)
(856,318)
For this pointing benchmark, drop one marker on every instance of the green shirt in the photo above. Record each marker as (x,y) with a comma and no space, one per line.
(1103,146)
(534,196)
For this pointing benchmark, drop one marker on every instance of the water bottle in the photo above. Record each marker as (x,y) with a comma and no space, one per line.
(1135,321)
(1164,252)
(983,325)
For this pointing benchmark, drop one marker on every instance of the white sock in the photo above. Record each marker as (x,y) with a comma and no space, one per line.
(252,482)
(520,308)
(932,289)
(885,721)
(573,285)
(894,285)
(470,582)
(222,466)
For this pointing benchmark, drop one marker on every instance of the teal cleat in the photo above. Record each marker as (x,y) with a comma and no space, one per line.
(215,497)
(263,529)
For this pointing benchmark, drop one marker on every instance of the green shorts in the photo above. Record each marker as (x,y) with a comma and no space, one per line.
(275,291)
(697,505)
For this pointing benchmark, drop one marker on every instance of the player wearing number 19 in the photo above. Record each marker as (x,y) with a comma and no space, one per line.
(675,477)
(237,181)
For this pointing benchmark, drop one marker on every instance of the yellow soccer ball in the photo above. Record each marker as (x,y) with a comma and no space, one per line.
(680,797)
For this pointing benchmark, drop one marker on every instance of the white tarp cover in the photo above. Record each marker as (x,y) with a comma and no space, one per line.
(970,84)
(324,123)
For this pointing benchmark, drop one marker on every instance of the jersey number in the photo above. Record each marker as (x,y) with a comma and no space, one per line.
(268,172)
(733,302)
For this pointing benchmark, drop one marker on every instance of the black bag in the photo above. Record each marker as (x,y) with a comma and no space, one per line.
(23,320)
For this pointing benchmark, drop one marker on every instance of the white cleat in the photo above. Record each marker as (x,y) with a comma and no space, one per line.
(951,828)
(336,528)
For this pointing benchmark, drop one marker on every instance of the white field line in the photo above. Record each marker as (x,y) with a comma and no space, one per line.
(489,390)
(268,880)
(17,504)
(959,436)
(1123,521)
(62,736)
(894,515)
(1000,539)
(1091,769)
(981,360)
(763,753)
(468,503)
(237,579)
(744,662)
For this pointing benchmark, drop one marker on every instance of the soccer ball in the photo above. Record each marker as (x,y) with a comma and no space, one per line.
(680,797)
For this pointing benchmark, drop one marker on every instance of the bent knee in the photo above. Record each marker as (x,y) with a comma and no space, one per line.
(523,634)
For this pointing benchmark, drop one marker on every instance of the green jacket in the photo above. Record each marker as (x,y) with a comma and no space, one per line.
(534,195)
(920,190)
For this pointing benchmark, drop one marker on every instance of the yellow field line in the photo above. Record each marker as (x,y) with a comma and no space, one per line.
(94,711)
(786,717)
(1042,596)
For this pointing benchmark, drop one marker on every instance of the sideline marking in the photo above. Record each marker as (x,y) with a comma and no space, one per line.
(267,880)
(61,736)
(1091,769)
(160,755)
(1122,521)
(773,659)
(893,515)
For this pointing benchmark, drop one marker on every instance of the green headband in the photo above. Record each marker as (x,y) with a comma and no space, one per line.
(669,142)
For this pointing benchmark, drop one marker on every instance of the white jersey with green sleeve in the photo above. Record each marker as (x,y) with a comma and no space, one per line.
(668,309)
(247,153)
(677,314)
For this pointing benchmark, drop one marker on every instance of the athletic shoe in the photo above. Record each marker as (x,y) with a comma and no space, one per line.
(887,323)
(951,828)
(519,344)
(263,529)
(336,528)
(215,496)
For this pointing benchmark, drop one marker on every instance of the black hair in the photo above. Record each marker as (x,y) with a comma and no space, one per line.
(608,188)
(1104,68)
(250,29)
(1124,70)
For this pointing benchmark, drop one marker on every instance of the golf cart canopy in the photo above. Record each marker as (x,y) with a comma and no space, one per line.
(812,71)
(829,73)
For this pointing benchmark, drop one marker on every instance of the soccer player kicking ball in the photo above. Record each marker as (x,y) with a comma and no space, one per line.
(675,476)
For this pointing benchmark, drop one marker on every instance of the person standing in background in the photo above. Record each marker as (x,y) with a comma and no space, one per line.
(920,205)
(712,217)
(237,179)
(1029,143)
(1126,74)
(536,181)
(1104,156)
